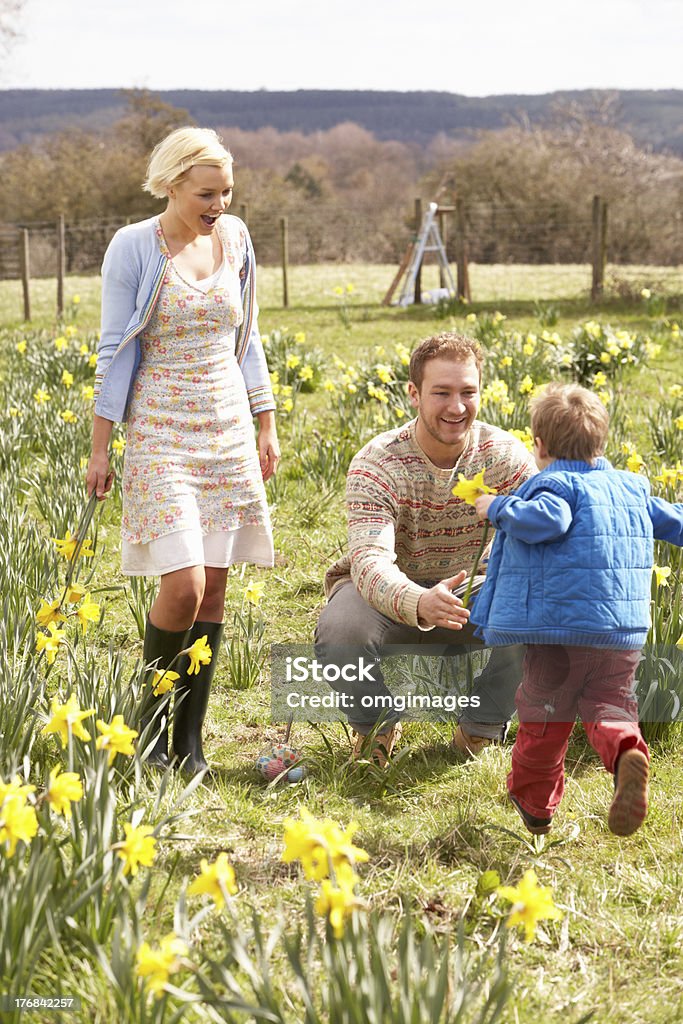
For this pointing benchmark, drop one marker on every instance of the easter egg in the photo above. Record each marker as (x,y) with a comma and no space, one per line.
(274,768)
(296,774)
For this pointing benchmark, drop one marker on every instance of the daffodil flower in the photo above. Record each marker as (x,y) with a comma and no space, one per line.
(163,681)
(254,593)
(115,737)
(215,879)
(531,903)
(89,611)
(662,573)
(50,642)
(156,964)
(199,654)
(48,613)
(64,789)
(67,718)
(137,848)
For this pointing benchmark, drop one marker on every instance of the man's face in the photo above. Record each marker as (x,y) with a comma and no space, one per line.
(447,402)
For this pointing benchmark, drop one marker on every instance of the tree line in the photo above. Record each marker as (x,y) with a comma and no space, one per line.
(526,190)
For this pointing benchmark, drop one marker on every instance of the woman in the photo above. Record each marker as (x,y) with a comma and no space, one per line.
(180,358)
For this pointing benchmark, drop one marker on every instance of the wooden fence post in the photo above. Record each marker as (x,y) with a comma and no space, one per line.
(417,298)
(284,245)
(462,270)
(25,274)
(598,246)
(61,264)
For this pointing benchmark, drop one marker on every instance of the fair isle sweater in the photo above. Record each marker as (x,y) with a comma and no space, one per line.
(406,529)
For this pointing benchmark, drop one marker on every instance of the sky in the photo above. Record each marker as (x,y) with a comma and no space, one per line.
(477,47)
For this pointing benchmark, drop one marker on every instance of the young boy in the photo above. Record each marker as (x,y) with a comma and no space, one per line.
(569,575)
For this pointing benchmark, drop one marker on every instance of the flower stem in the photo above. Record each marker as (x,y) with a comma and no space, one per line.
(480,552)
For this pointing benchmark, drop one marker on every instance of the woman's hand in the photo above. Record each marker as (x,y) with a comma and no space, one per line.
(99,477)
(268,452)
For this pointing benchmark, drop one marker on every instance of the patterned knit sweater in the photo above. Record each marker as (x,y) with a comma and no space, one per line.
(406,529)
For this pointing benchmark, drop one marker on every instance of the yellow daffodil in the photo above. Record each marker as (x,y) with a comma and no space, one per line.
(18,821)
(41,396)
(320,845)
(14,411)
(89,611)
(71,331)
(67,717)
(384,374)
(254,592)
(61,343)
(470,490)
(274,377)
(300,337)
(215,879)
(87,392)
(329,386)
(21,347)
(338,290)
(399,412)
(471,318)
(84,350)
(15,788)
(306,373)
(350,289)
(645,293)
(199,654)
(67,378)
(678,423)
(163,681)
(92,361)
(669,475)
(676,390)
(531,903)
(662,573)
(66,546)
(137,848)
(68,416)
(48,613)
(336,903)
(115,737)
(526,385)
(505,361)
(76,300)
(679,642)
(599,380)
(50,642)
(634,463)
(64,789)
(157,964)
(292,361)
(287,405)
(74,593)
(118,445)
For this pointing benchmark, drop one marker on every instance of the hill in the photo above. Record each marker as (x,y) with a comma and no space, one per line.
(653,118)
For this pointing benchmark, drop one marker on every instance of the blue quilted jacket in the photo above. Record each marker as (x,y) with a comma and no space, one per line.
(571,562)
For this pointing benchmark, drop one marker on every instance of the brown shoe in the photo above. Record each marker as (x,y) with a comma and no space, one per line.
(379,748)
(629,806)
(469,745)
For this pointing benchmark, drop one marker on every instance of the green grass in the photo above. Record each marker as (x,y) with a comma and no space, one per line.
(435,823)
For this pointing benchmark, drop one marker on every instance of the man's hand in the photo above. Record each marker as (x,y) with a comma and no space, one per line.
(482,504)
(439,607)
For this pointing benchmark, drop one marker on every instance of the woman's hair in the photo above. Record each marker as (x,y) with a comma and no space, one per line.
(178,153)
(448,345)
(571,421)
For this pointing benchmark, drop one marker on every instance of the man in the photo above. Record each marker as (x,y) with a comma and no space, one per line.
(411,542)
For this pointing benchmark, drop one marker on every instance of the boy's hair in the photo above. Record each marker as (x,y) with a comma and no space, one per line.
(571,421)
(178,153)
(448,345)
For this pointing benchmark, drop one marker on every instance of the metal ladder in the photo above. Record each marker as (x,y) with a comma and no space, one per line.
(428,240)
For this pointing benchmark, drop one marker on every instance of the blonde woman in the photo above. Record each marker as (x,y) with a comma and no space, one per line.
(180,359)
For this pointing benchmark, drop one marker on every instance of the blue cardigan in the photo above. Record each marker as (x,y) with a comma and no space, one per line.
(133,272)
(571,562)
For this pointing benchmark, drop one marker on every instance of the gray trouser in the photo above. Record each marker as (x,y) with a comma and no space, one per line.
(349,629)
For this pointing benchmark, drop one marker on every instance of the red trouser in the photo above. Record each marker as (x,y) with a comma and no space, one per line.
(558,683)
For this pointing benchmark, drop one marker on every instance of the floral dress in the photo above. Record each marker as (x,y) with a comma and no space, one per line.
(193,492)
